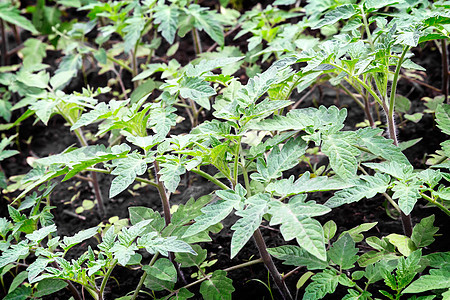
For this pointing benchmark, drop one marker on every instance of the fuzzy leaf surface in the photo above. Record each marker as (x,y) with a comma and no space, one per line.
(366,187)
(296,222)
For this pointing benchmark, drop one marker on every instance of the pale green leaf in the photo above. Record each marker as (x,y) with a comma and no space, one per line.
(133,30)
(366,187)
(342,154)
(127,169)
(407,195)
(38,235)
(281,160)
(215,212)
(443,118)
(403,243)
(296,222)
(70,241)
(14,253)
(250,221)
(167,18)
(342,12)
(305,184)
(12,15)
(380,146)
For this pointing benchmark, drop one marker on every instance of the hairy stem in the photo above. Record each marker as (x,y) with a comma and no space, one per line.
(406,219)
(163,194)
(143,277)
(211,178)
(262,248)
(105,279)
(4,43)
(431,200)
(444,70)
(197,42)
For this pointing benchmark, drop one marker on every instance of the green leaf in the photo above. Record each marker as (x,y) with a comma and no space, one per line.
(170,174)
(192,209)
(167,17)
(423,233)
(21,293)
(338,147)
(207,21)
(355,232)
(305,184)
(155,284)
(380,146)
(438,279)
(206,65)
(216,212)
(190,260)
(18,280)
(34,52)
(69,242)
(393,168)
(366,187)
(218,286)
(407,195)
(281,160)
(38,235)
(443,118)
(127,169)
(322,283)
(49,286)
(12,15)
(36,268)
(342,12)
(297,256)
(133,30)
(250,221)
(296,222)
(163,269)
(163,245)
(343,252)
(403,243)
(14,253)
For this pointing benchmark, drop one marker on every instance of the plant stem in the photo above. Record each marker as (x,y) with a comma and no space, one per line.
(4,43)
(406,219)
(197,42)
(162,193)
(210,178)
(105,279)
(444,70)
(236,267)
(366,26)
(431,200)
(143,277)
(348,92)
(395,81)
(262,248)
